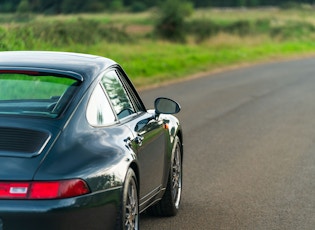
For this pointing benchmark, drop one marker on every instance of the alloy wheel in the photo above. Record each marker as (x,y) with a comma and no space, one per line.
(177,177)
(132,215)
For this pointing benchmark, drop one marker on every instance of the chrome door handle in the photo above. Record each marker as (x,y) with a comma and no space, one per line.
(128,142)
(139,140)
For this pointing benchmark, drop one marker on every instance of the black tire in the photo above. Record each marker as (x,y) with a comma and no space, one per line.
(169,204)
(129,215)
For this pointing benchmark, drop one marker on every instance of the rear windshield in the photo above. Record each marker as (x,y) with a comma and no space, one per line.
(35,94)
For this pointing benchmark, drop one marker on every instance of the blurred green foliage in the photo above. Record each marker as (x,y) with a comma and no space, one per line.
(171,19)
(79,6)
(209,38)
(57,33)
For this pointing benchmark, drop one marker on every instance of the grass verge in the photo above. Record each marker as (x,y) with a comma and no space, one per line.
(240,36)
(153,63)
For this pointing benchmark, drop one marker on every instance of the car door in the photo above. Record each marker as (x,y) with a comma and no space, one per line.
(148,133)
(149,140)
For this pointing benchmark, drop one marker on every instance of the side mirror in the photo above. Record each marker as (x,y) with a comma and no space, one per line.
(166,106)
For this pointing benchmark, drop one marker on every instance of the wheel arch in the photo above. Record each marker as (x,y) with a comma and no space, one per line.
(180,136)
(134,166)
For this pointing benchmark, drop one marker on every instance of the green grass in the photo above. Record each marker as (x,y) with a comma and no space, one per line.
(147,60)
(156,62)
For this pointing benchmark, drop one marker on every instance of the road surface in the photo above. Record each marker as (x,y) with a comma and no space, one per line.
(249,149)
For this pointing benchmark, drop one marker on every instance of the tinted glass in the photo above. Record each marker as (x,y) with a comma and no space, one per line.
(99,111)
(117,94)
(35,95)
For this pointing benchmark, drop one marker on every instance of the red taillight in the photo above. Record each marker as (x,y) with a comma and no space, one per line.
(13,190)
(43,190)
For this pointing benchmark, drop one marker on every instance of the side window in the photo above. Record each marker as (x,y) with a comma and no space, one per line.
(139,106)
(117,94)
(99,111)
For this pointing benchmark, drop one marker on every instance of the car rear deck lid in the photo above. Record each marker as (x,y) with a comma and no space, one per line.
(22,142)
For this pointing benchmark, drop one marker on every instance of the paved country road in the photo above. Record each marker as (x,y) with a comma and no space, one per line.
(249,149)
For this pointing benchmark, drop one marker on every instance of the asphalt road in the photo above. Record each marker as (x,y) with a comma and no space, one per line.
(249,149)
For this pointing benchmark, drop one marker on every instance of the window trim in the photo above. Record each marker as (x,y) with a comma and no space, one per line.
(130,89)
(118,71)
(132,94)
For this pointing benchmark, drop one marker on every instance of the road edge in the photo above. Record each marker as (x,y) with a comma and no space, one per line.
(226,69)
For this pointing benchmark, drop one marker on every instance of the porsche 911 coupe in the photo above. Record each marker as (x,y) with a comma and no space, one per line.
(78,148)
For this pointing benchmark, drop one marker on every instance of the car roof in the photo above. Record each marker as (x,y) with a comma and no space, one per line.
(86,65)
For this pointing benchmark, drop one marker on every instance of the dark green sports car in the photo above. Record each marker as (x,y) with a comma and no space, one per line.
(78,148)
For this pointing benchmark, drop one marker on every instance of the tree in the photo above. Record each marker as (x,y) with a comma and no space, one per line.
(116,5)
(23,7)
(23,11)
(171,19)
(241,2)
(254,2)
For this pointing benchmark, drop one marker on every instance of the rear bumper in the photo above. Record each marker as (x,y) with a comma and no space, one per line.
(93,211)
